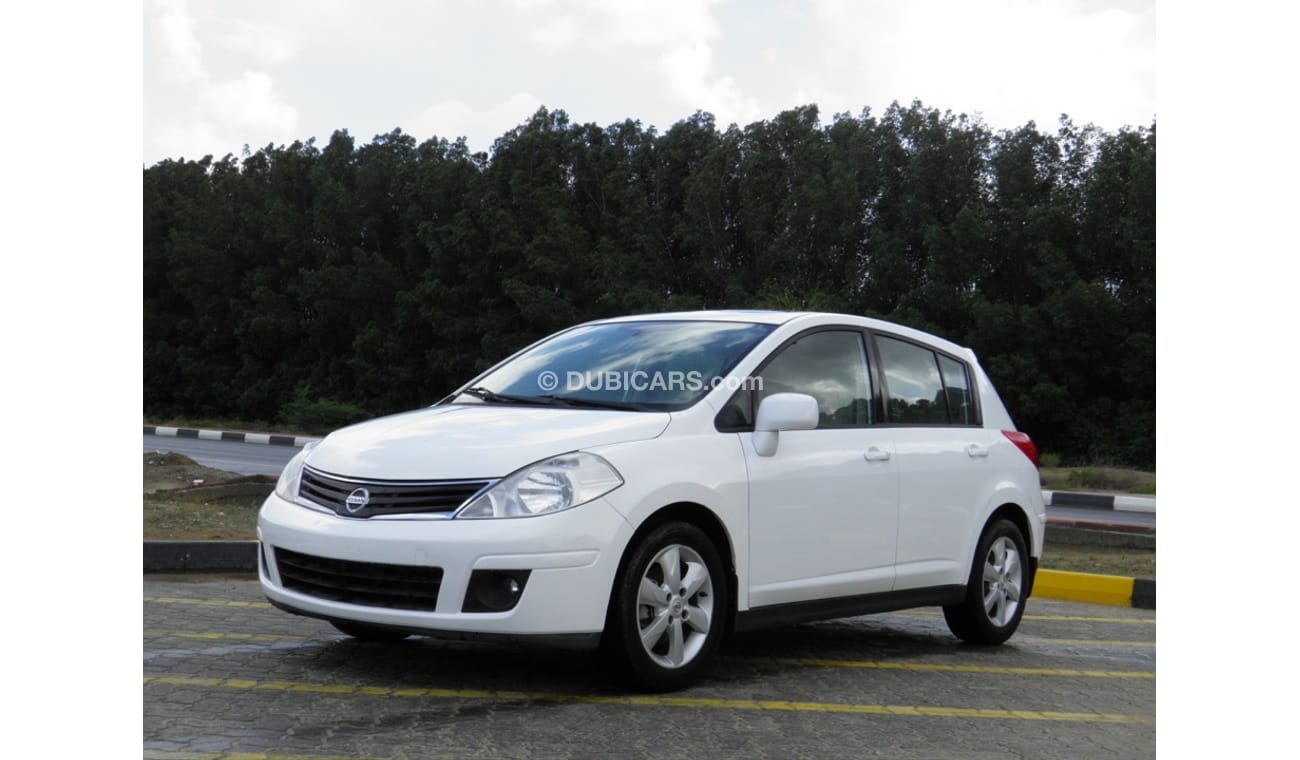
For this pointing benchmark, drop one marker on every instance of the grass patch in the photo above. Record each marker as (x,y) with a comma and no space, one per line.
(1104,560)
(185,500)
(207,517)
(1098,479)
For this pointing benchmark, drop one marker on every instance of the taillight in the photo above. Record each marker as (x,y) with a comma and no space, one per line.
(1024,443)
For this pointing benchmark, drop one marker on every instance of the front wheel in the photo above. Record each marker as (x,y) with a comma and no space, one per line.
(995,594)
(669,608)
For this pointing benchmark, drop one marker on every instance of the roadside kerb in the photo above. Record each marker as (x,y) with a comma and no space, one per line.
(241,556)
(1115,502)
(1114,590)
(200,556)
(272,439)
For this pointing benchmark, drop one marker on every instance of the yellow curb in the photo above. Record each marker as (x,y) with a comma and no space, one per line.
(1114,590)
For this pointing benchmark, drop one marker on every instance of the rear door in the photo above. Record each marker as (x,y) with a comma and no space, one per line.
(944,469)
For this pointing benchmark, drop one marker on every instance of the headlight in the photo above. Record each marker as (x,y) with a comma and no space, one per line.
(287,486)
(548,486)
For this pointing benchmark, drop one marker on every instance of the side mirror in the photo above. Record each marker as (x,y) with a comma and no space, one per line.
(783,411)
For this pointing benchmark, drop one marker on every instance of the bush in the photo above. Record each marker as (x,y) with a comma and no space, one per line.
(320,416)
(1052,460)
(1102,479)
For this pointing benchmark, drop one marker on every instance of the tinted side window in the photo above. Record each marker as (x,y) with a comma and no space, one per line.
(912,379)
(829,366)
(956,385)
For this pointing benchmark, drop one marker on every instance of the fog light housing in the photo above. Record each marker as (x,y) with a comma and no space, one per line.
(495,590)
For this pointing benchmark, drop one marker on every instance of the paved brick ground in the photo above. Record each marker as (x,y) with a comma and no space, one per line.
(226,674)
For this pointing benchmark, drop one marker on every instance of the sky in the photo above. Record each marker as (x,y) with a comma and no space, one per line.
(222,75)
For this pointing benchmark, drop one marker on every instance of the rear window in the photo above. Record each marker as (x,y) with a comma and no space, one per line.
(956,386)
(924,387)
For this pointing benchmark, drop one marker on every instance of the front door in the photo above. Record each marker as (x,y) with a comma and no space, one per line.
(823,510)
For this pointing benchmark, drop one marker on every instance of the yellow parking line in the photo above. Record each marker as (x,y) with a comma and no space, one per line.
(221,636)
(203,602)
(655,701)
(939,668)
(234,636)
(1052,618)
(803,661)
(1086,642)
(186,755)
(1085,619)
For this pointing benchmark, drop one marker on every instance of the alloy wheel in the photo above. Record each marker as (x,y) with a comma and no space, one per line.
(675,606)
(1003,579)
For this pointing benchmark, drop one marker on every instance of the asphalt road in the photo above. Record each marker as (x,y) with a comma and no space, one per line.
(225,674)
(1107,516)
(232,456)
(261,459)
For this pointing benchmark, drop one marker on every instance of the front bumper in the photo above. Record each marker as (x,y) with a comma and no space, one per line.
(572,555)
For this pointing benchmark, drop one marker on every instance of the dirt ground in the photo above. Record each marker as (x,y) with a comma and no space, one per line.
(169,470)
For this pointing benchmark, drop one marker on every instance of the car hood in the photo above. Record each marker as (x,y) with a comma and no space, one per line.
(473,440)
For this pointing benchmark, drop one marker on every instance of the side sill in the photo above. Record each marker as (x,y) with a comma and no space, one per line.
(847,606)
(577,642)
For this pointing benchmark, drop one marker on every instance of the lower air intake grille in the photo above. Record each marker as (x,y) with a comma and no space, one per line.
(371,584)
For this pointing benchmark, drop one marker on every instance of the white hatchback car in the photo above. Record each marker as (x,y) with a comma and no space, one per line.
(649,483)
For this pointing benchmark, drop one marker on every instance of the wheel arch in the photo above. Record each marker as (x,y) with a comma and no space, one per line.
(1018,516)
(701,517)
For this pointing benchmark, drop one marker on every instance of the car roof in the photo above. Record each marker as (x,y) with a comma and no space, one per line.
(773,317)
(758,316)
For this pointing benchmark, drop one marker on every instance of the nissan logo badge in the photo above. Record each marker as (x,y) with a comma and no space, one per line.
(357,500)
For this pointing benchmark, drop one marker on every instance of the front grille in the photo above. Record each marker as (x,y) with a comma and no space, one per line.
(372,584)
(386,497)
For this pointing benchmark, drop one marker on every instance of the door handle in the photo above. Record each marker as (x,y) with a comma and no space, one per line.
(875,454)
(976,450)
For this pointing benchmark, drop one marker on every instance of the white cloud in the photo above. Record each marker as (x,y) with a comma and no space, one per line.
(248,105)
(183,56)
(221,118)
(557,33)
(607,23)
(480,126)
(267,44)
(192,113)
(689,72)
(1011,60)
(219,75)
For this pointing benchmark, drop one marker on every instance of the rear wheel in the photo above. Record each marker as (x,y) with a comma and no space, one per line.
(995,594)
(670,608)
(365,632)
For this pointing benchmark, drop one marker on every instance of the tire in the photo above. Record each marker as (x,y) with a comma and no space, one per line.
(366,632)
(996,592)
(669,609)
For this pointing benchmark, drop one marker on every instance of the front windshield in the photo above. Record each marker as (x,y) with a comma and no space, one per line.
(651,366)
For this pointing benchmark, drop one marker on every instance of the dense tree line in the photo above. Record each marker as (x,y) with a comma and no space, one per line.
(385,274)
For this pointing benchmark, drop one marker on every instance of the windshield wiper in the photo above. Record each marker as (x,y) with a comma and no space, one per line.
(492,397)
(592,403)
